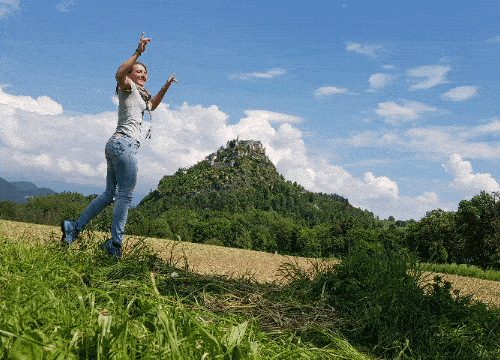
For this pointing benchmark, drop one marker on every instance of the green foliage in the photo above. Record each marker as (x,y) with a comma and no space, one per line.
(377,292)
(462,270)
(51,209)
(434,238)
(478,222)
(469,236)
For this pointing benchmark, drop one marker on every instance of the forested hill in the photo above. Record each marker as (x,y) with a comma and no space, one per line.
(240,177)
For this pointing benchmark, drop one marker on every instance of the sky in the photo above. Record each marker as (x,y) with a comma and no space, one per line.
(392,105)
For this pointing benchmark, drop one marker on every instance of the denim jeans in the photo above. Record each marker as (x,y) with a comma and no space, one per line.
(122,176)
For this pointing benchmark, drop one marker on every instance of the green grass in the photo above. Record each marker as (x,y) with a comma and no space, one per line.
(58,303)
(385,309)
(462,270)
(77,303)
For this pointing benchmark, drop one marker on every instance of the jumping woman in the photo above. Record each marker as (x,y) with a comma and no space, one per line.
(121,150)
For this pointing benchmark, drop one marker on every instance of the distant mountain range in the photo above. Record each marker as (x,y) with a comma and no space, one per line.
(20,191)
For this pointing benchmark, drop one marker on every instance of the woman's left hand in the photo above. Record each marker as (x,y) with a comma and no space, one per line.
(171,79)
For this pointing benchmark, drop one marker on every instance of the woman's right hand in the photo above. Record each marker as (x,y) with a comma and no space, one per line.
(142,44)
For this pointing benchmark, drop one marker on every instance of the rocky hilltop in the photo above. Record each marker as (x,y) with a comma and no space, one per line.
(235,150)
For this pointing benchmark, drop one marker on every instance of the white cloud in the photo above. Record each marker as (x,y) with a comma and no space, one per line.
(433,142)
(395,114)
(379,81)
(267,75)
(329,91)
(496,39)
(43,105)
(388,67)
(434,74)
(465,181)
(64,6)
(368,50)
(460,93)
(7,7)
(491,128)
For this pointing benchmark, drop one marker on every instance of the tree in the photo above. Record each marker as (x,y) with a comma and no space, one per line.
(478,222)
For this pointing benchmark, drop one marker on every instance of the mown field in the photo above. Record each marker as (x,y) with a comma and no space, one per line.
(237,263)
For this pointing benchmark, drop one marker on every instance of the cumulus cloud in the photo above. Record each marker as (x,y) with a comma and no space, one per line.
(42,105)
(267,75)
(460,93)
(378,81)
(395,114)
(329,91)
(465,181)
(434,74)
(433,142)
(7,7)
(368,50)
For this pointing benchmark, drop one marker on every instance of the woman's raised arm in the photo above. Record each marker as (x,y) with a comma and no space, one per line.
(122,81)
(158,97)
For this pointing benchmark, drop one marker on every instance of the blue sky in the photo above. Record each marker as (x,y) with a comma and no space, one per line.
(392,105)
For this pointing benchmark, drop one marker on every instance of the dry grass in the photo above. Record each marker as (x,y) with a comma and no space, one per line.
(238,263)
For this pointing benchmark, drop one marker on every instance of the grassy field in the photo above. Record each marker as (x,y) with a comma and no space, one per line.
(176,300)
(57,303)
(239,263)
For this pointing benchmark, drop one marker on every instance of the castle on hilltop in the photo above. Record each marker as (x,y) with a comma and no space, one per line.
(227,156)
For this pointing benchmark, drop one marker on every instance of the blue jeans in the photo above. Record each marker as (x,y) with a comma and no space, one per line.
(122,176)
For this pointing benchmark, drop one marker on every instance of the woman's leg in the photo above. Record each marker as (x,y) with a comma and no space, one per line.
(106,198)
(125,167)
(70,229)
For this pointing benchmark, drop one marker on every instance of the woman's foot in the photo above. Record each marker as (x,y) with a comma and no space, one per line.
(70,232)
(112,248)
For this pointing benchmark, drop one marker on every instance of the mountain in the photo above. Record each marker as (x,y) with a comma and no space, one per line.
(239,177)
(24,185)
(19,192)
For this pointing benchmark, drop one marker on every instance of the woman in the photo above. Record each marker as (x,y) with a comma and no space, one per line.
(121,151)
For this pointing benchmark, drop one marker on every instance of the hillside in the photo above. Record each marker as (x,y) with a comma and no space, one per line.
(239,177)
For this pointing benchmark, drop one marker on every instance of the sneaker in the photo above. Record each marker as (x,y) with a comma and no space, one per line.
(112,248)
(70,232)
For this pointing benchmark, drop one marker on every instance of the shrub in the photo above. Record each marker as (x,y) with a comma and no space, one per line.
(386,309)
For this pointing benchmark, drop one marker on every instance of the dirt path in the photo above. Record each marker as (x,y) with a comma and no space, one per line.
(237,263)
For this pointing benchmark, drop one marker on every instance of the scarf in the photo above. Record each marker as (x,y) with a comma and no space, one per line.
(146,96)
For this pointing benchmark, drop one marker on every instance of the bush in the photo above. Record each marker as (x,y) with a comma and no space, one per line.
(377,292)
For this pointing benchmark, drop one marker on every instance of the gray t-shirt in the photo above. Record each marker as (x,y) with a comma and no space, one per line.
(131,109)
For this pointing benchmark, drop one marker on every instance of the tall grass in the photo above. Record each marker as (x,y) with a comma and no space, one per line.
(78,303)
(386,310)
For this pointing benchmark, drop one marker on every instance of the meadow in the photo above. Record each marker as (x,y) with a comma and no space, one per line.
(177,300)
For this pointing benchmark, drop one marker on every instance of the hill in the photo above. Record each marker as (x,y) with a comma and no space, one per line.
(19,192)
(240,177)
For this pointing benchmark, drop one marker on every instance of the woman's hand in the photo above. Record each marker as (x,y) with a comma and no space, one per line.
(142,44)
(171,79)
